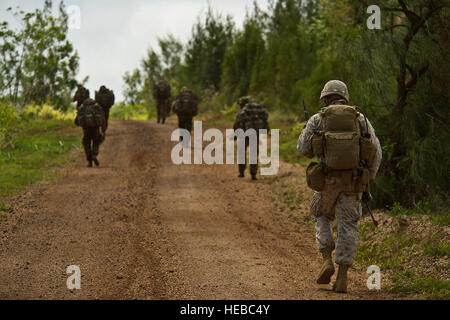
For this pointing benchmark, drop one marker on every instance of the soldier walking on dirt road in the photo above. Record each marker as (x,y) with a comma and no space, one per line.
(91,118)
(349,155)
(162,94)
(185,107)
(251,116)
(105,98)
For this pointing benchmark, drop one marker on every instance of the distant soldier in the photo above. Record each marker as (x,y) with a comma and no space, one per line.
(185,107)
(105,98)
(91,118)
(162,94)
(349,155)
(251,116)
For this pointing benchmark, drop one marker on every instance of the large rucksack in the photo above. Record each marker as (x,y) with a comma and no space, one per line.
(90,114)
(253,116)
(186,103)
(342,142)
(105,98)
(161,90)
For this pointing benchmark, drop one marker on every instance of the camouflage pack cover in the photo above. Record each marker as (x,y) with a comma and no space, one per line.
(253,116)
(105,97)
(186,103)
(161,90)
(90,114)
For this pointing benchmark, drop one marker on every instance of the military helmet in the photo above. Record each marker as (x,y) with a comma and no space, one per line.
(335,87)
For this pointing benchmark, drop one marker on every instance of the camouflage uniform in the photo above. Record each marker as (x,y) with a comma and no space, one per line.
(92,137)
(185,115)
(105,98)
(334,200)
(335,197)
(162,102)
(247,104)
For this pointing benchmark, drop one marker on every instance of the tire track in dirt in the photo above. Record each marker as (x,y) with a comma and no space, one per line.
(141,227)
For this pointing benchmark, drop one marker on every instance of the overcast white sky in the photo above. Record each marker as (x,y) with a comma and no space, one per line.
(115,34)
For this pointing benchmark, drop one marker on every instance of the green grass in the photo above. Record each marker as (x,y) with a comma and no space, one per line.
(436,247)
(389,254)
(409,282)
(4,207)
(41,147)
(441,218)
(437,210)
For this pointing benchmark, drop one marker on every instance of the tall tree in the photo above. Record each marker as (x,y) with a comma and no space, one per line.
(205,50)
(45,63)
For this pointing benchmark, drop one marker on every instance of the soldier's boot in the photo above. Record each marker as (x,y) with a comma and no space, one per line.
(89,164)
(241,170)
(341,280)
(253,171)
(327,267)
(94,158)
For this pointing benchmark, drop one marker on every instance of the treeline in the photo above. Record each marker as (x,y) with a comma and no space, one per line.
(397,75)
(38,64)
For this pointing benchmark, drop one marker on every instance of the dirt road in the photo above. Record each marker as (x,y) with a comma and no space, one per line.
(140,227)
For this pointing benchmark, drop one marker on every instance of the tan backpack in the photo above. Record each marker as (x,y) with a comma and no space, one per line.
(338,139)
(343,145)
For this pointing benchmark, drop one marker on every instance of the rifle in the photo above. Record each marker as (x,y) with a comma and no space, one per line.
(304,110)
(366,197)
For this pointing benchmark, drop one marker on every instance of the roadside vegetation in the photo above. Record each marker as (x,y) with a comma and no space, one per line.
(412,251)
(34,144)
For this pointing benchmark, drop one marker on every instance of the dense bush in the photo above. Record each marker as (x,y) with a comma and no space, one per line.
(9,123)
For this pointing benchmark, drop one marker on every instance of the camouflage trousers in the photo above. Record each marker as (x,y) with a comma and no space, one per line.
(253,167)
(106,111)
(162,109)
(347,207)
(91,142)
(185,122)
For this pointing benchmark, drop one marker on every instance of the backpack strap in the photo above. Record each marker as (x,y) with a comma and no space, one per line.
(364,131)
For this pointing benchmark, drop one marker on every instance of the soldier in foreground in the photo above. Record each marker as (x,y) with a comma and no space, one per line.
(91,118)
(251,116)
(185,107)
(349,155)
(105,98)
(162,94)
